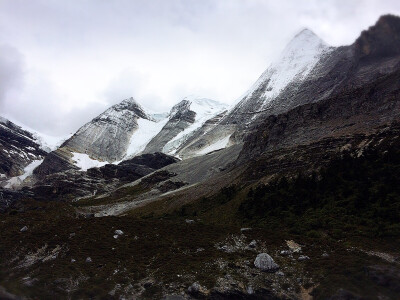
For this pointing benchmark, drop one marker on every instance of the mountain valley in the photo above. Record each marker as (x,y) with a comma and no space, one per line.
(290,193)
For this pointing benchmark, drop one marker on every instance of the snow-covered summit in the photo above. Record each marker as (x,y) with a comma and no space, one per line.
(206,107)
(126,107)
(107,137)
(203,107)
(295,62)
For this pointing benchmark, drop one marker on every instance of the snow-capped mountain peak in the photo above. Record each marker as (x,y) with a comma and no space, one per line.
(107,137)
(295,62)
(128,105)
(203,107)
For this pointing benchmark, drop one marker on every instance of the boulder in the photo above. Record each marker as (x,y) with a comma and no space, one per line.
(284,252)
(265,262)
(197,290)
(253,244)
(303,257)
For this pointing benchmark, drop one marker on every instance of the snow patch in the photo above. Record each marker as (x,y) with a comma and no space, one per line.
(13,182)
(49,143)
(28,170)
(205,109)
(145,132)
(221,144)
(84,162)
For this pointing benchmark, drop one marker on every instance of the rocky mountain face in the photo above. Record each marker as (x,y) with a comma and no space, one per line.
(185,120)
(107,136)
(308,71)
(126,130)
(289,82)
(365,100)
(18,149)
(104,139)
(180,118)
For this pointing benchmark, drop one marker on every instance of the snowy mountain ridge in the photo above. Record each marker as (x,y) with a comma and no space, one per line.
(195,126)
(47,142)
(295,63)
(205,109)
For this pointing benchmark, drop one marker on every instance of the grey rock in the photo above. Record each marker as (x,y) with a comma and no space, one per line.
(303,258)
(250,290)
(23,229)
(73,260)
(265,262)
(280,273)
(284,252)
(119,232)
(88,260)
(188,221)
(194,288)
(325,254)
(253,244)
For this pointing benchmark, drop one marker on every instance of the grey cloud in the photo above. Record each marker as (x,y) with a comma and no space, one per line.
(11,71)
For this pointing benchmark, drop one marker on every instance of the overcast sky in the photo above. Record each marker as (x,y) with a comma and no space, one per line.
(64,62)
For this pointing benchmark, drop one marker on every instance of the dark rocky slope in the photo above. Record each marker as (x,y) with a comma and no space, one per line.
(18,148)
(334,71)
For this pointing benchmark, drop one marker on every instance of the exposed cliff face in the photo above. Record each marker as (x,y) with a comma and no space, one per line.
(107,136)
(180,118)
(353,111)
(18,149)
(186,119)
(379,41)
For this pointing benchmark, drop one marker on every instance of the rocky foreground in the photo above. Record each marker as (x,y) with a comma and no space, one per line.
(60,254)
